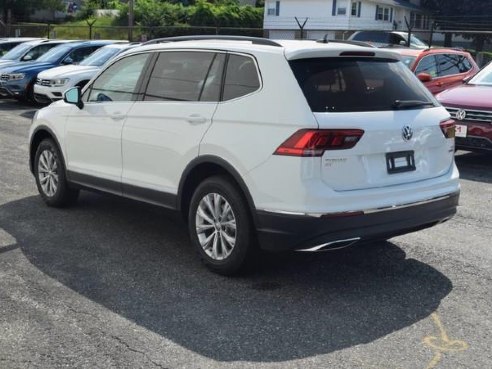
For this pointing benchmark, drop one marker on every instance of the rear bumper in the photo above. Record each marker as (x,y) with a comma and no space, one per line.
(277,232)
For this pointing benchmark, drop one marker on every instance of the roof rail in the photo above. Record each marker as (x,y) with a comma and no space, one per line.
(326,40)
(254,40)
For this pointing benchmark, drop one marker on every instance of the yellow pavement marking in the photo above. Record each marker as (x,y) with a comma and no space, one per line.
(442,344)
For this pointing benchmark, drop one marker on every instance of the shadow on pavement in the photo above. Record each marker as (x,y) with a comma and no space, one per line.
(475,166)
(136,261)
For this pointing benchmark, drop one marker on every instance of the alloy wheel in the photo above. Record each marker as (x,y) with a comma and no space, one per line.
(216,226)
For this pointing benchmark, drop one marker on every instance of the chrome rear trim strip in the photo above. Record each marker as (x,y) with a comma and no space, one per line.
(361,212)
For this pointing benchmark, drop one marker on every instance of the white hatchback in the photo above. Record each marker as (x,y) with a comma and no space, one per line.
(286,145)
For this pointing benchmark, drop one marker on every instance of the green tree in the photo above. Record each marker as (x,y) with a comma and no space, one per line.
(463,15)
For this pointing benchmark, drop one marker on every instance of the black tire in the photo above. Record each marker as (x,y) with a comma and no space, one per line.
(244,247)
(63,195)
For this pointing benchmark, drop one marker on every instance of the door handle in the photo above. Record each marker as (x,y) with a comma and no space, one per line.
(196,119)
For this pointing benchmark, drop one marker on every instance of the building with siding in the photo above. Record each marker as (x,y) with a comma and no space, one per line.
(339,18)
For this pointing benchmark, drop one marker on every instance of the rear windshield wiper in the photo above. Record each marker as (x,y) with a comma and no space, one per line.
(408,104)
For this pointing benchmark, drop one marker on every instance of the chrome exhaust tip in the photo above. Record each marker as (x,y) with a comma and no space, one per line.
(333,245)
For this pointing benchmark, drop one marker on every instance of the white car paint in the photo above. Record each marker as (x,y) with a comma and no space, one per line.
(149,144)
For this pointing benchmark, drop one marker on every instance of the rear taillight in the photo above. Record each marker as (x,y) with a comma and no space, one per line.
(448,128)
(314,142)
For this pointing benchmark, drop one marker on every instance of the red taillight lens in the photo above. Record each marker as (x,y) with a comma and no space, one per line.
(448,128)
(314,142)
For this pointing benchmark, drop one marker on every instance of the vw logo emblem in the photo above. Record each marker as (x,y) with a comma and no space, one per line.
(460,114)
(407,133)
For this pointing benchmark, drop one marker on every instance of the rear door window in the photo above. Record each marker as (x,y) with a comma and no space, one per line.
(448,64)
(357,84)
(186,76)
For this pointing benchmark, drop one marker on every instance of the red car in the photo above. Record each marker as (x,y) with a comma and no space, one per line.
(471,106)
(440,69)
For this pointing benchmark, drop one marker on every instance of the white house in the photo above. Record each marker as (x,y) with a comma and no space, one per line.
(339,18)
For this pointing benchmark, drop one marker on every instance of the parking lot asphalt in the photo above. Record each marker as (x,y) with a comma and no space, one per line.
(112,283)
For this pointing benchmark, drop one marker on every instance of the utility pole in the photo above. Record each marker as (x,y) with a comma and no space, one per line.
(130,20)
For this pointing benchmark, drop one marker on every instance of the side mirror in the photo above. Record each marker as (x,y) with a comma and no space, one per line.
(27,58)
(403,43)
(424,77)
(467,79)
(73,96)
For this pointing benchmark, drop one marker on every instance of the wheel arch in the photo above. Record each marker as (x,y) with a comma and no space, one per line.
(39,134)
(204,167)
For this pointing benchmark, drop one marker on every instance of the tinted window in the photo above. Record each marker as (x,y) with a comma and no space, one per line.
(465,64)
(119,82)
(213,83)
(448,64)
(427,65)
(353,84)
(179,76)
(241,77)
(379,37)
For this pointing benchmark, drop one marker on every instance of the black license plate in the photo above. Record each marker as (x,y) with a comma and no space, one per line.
(399,162)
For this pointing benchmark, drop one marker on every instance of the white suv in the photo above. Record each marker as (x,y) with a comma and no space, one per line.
(52,83)
(289,145)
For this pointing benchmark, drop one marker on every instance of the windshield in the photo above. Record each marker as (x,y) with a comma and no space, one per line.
(484,77)
(415,41)
(55,54)
(101,56)
(359,84)
(17,52)
(408,61)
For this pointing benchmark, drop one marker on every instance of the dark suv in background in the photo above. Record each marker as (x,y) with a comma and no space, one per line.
(385,38)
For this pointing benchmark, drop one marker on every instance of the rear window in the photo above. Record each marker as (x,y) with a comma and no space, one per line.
(357,84)
(379,37)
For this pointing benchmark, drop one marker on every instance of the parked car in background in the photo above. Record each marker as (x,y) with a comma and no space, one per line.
(51,83)
(17,81)
(439,69)
(7,44)
(385,38)
(471,106)
(292,145)
(28,51)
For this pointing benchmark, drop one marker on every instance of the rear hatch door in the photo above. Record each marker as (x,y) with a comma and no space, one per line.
(402,140)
